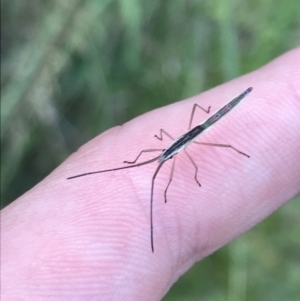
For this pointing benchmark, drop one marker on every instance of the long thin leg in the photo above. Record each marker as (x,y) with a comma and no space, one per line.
(113,169)
(196,167)
(193,112)
(162,131)
(143,151)
(151,204)
(171,177)
(160,137)
(223,145)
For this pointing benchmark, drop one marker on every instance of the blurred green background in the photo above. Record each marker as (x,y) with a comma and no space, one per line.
(71,69)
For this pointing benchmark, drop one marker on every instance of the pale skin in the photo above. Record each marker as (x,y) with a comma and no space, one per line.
(88,239)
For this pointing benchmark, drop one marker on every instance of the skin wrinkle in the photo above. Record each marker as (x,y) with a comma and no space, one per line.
(196,249)
(196,190)
(180,236)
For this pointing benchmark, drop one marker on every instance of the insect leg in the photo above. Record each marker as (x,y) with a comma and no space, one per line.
(160,137)
(196,167)
(151,204)
(162,131)
(193,113)
(171,177)
(143,151)
(223,145)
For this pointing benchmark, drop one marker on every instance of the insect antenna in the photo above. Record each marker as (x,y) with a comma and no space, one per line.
(113,169)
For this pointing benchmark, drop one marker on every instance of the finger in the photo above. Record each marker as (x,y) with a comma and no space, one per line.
(89,237)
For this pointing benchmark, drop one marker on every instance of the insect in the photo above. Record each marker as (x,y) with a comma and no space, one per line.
(179,144)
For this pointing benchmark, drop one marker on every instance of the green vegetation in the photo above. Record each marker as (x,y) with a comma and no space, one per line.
(74,68)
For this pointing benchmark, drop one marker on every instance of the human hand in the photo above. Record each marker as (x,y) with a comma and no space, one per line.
(88,238)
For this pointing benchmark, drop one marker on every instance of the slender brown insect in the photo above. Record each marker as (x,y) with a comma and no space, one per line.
(179,144)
